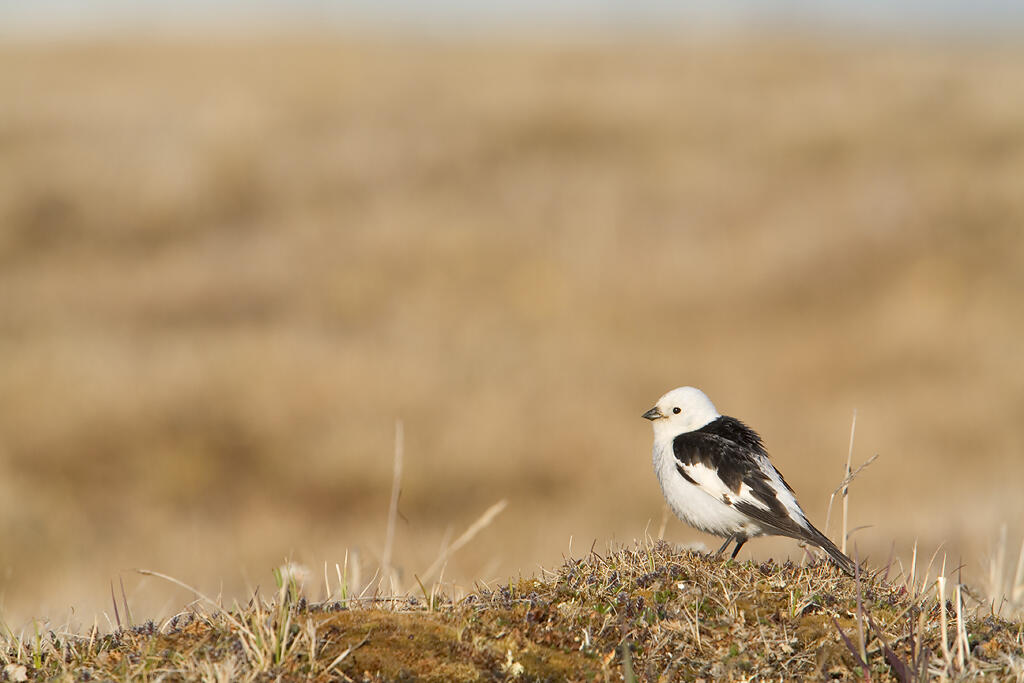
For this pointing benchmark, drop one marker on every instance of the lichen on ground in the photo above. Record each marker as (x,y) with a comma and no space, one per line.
(649,613)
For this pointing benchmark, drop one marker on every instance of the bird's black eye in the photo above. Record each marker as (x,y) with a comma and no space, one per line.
(677,410)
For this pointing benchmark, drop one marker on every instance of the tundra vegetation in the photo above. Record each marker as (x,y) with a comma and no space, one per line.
(644,613)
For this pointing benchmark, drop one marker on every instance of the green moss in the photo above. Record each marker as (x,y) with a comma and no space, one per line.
(725,622)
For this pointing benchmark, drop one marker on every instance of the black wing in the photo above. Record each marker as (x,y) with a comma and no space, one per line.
(735,465)
(734,451)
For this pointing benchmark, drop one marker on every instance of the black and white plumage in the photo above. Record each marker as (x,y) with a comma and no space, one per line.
(716,476)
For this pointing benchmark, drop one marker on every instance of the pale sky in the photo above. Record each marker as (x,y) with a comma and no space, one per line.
(461,16)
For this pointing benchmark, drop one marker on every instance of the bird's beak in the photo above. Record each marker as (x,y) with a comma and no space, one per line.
(653,414)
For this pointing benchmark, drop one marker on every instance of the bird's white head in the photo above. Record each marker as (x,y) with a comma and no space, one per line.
(679,411)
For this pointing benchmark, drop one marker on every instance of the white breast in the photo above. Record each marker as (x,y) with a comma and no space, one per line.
(701,505)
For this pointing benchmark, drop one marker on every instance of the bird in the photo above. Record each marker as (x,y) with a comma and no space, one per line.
(716,476)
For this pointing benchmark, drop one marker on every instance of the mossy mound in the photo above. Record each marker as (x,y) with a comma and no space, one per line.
(648,613)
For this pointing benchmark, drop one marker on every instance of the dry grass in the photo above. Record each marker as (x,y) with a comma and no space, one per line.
(647,613)
(227,268)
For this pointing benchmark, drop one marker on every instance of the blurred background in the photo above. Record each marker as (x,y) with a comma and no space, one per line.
(238,241)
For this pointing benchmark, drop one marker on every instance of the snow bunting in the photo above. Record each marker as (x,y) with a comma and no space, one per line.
(716,476)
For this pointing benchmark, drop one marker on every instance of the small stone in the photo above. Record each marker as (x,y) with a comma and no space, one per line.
(16,672)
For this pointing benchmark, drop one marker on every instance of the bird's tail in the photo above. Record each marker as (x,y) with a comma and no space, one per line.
(835,554)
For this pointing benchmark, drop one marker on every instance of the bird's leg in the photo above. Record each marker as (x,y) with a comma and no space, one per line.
(724,546)
(740,540)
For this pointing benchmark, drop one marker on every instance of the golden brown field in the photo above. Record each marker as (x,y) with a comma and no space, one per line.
(227,267)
